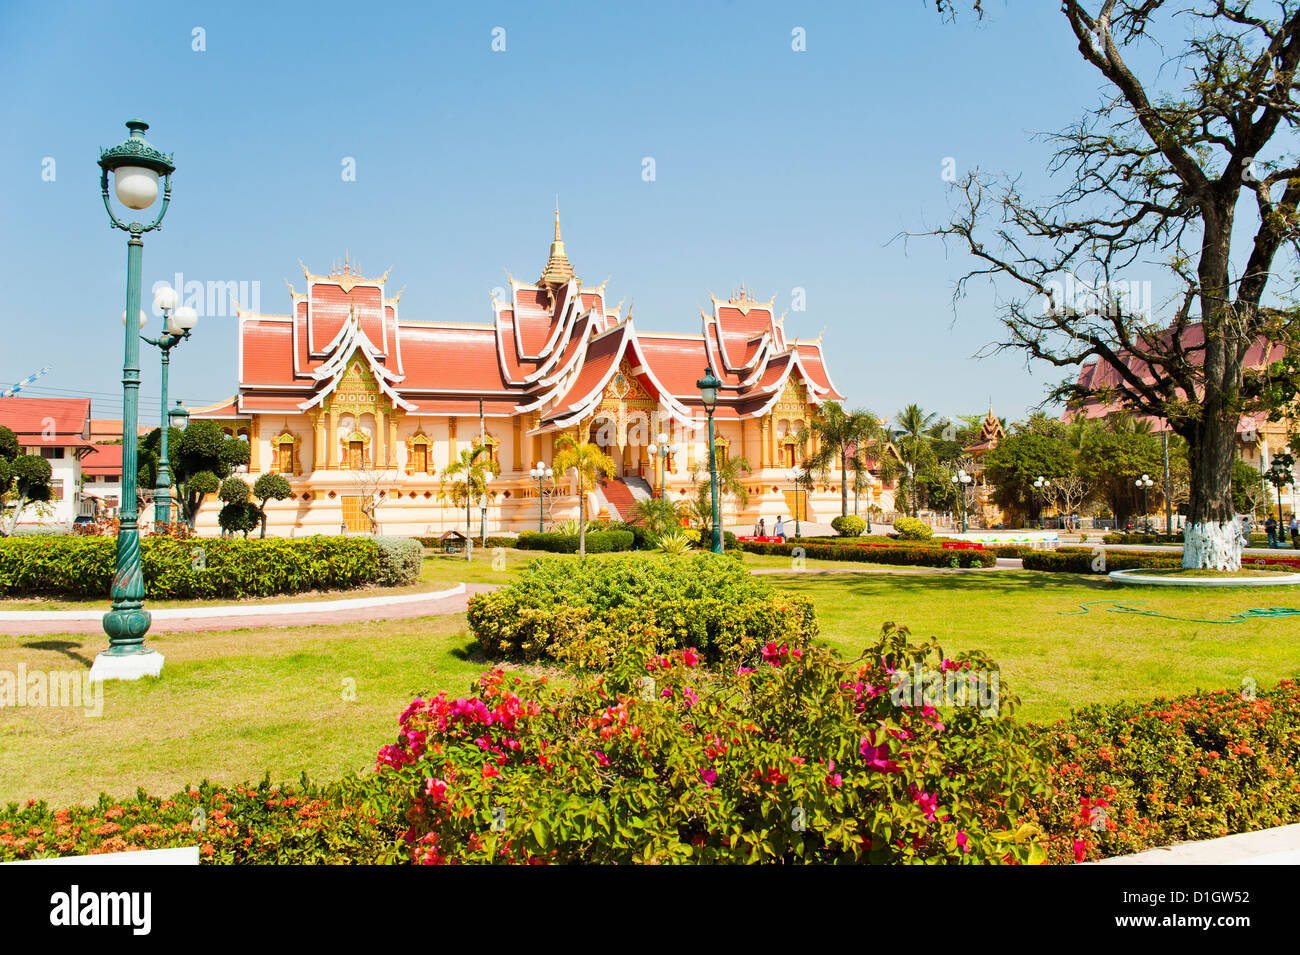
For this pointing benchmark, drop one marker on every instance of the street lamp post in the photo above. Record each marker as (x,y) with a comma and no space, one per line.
(871,498)
(1279,475)
(796,475)
(662,450)
(1145,483)
(539,474)
(1042,484)
(136,167)
(482,508)
(178,322)
(709,386)
(960,480)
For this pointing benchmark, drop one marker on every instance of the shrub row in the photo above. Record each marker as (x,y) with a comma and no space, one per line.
(435,543)
(598,542)
(1129,776)
(919,555)
(1080,560)
(200,568)
(590,613)
(239,824)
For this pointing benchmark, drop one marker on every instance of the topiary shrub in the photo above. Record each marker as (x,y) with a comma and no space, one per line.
(589,613)
(912,529)
(399,563)
(849,525)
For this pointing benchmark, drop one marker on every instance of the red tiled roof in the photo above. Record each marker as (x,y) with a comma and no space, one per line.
(103,460)
(47,420)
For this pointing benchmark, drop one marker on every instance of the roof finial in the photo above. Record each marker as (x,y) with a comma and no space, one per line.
(557,270)
(557,218)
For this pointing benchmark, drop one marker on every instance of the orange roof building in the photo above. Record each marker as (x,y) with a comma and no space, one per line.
(347,397)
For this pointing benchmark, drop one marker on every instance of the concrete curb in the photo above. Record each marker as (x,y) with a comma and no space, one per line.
(1137,577)
(236,610)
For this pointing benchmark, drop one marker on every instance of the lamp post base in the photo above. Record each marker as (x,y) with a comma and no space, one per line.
(126,666)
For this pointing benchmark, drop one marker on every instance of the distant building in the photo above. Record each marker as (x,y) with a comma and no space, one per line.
(58,429)
(985,511)
(101,469)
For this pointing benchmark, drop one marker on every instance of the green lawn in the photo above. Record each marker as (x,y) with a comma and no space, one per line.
(1056,658)
(234,704)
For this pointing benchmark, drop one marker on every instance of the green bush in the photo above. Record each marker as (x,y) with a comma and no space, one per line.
(198,568)
(659,761)
(913,555)
(849,525)
(588,613)
(598,542)
(912,529)
(400,560)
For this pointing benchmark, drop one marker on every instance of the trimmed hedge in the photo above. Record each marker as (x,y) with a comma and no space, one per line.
(435,543)
(589,613)
(1079,560)
(910,555)
(198,568)
(400,560)
(598,542)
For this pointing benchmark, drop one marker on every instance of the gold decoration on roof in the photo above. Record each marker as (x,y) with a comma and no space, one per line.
(558,270)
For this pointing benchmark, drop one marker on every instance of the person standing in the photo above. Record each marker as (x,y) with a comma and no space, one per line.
(778,529)
(1270,528)
(1295,532)
(762,527)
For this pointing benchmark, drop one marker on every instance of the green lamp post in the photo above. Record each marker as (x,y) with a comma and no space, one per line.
(798,477)
(539,474)
(178,322)
(136,167)
(709,386)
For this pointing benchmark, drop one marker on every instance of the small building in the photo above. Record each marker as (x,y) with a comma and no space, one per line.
(101,470)
(58,429)
(453,542)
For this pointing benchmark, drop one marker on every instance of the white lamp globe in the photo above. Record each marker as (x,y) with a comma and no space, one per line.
(165,297)
(184,319)
(136,186)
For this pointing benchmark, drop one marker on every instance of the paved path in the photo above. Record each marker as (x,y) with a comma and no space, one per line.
(1278,846)
(260,616)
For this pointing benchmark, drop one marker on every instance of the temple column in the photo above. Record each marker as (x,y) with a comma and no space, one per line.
(253,456)
(391,460)
(765,443)
(381,439)
(318,441)
(330,449)
(451,440)
(516,464)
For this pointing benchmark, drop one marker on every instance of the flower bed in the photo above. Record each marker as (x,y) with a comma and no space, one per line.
(911,555)
(588,613)
(238,824)
(201,568)
(1130,776)
(803,758)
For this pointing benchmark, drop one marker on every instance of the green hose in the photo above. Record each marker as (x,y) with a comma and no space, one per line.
(1121,606)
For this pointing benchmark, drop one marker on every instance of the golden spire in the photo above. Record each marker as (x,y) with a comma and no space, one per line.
(558,270)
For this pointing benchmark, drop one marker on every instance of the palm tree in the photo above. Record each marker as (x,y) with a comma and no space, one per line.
(732,472)
(840,436)
(472,484)
(913,424)
(657,514)
(589,463)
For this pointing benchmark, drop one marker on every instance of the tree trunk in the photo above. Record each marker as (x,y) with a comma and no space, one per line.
(844,481)
(263,511)
(1212,538)
(582,521)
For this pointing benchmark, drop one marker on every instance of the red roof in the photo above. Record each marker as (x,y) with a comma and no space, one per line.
(54,421)
(103,460)
(548,349)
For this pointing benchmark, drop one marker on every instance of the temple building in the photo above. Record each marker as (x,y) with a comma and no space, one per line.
(352,402)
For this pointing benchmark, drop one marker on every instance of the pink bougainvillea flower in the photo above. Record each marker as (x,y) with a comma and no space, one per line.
(691,698)
(963,841)
(690,657)
(877,757)
(1080,850)
(710,776)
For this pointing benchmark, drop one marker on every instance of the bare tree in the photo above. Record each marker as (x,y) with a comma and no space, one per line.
(1071,491)
(367,482)
(1156,175)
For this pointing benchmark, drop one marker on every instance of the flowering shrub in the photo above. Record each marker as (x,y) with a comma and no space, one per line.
(1129,776)
(801,758)
(849,525)
(1081,560)
(588,613)
(238,824)
(181,569)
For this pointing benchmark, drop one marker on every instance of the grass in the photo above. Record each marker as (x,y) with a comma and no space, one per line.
(234,704)
(1057,655)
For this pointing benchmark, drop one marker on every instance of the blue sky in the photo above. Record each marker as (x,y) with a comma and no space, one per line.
(783,169)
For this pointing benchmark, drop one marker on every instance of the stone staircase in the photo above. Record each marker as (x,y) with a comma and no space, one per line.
(640,488)
(618,497)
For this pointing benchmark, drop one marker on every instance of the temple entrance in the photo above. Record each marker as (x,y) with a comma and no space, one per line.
(354,519)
